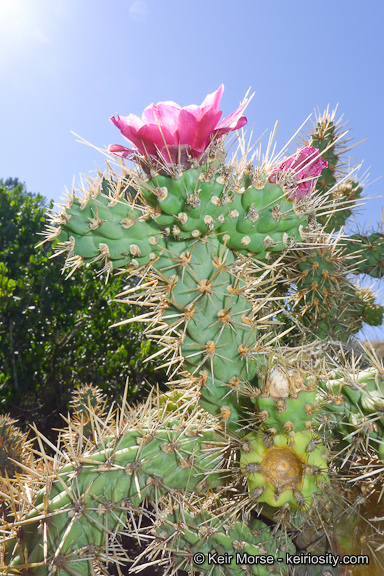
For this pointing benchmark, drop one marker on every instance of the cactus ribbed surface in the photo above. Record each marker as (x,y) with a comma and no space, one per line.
(371,253)
(90,497)
(241,275)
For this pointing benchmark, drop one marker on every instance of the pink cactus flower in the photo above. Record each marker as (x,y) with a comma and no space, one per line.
(299,173)
(167,134)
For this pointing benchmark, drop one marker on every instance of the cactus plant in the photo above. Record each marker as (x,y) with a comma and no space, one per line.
(258,448)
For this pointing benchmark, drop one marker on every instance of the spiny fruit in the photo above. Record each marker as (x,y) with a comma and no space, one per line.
(284,468)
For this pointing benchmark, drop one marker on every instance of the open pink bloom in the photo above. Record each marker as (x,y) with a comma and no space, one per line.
(299,172)
(169,134)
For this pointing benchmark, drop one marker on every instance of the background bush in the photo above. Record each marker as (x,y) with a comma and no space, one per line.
(55,333)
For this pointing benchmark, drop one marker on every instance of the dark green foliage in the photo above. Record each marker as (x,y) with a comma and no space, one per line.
(45,352)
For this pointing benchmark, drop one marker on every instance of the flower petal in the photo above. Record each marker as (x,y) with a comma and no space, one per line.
(196,132)
(121,151)
(234,121)
(151,138)
(213,100)
(304,167)
(162,114)
(127,124)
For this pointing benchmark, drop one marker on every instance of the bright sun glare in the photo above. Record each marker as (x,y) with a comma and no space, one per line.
(23,21)
(22,25)
(15,16)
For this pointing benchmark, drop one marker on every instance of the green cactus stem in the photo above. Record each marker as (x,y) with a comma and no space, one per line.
(370,250)
(203,543)
(148,456)
(287,402)
(13,448)
(356,405)
(324,297)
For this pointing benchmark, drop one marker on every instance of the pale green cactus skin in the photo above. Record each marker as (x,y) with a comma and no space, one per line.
(90,498)
(250,427)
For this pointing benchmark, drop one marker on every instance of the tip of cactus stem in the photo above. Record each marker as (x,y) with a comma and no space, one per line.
(281,466)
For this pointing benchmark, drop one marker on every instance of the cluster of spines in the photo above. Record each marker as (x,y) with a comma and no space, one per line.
(324,298)
(355,402)
(370,251)
(342,193)
(227,546)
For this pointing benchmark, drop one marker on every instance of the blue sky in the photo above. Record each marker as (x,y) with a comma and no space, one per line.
(68,65)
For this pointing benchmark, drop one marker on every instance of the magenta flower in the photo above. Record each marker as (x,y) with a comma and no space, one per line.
(169,134)
(299,172)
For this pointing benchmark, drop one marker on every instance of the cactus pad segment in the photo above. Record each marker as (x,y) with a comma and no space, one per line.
(370,312)
(105,227)
(356,403)
(90,499)
(221,548)
(210,319)
(344,196)
(371,253)
(13,448)
(262,220)
(324,138)
(247,219)
(325,298)
(190,205)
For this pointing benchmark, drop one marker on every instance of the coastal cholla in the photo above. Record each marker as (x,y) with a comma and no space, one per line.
(268,447)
